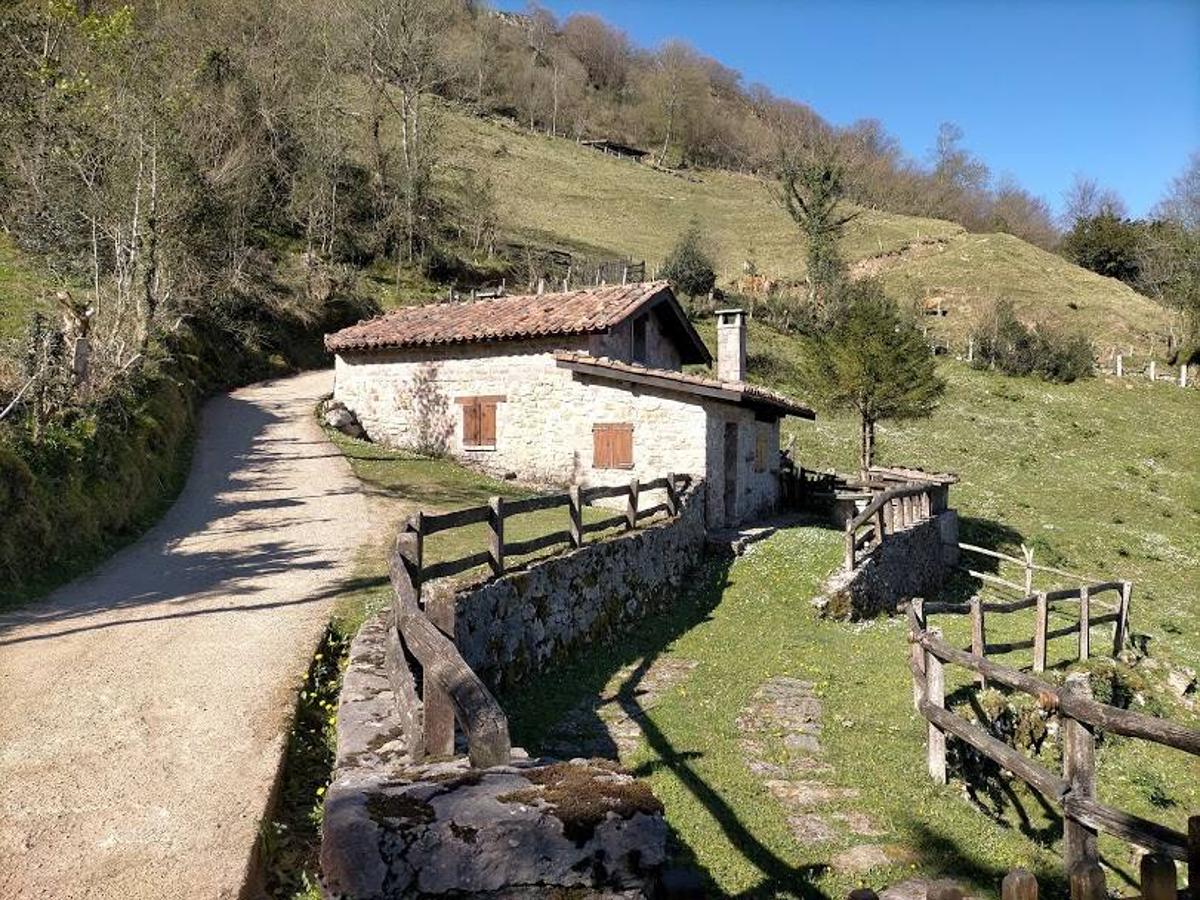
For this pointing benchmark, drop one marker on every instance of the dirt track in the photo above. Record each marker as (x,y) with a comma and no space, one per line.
(143,708)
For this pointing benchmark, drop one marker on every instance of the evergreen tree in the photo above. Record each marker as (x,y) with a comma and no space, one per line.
(874,361)
(688,266)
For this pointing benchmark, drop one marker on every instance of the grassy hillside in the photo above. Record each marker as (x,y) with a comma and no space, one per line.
(555,191)
(1099,476)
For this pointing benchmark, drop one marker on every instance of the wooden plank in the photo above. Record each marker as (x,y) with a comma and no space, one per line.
(1128,827)
(1193,855)
(1132,724)
(575,510)
(456,566)
(851,546)
(996,579)
(1011,605)
(1158,877)
(916,625)
(984,551)
(1046,693)
(496,535)
(1085,624)
(1087,881)
(1046,782)
(533,504)
(940,607)
(437,709)
(978,641)
(441,664)
(1039,632)
(603,491)
(1122,624)
(1064,631)
(603,524)
(1079,770)
(432,523)
(1019,884)
(935,699)
(631,506)
(651,511)
(672,496)
(522,548)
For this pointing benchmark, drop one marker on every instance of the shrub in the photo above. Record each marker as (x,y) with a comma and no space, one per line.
(1005,343)
(688,266)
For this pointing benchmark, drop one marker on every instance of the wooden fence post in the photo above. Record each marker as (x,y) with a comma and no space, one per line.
(1027,552)
(1019,884)
(496,546)
(850,545)
(1153,373)
(1122,624)
(918,652)
(978,637)
(1085,623)
(576,509)
(631,508)
(1193,860)
(889,520)
(880,531)
(1120,365)
(926,505)
(1079,771)
(418,522)
(1087,881)
(1158,877)
(935,695)
(1039,632)
(672,496)
(437,711)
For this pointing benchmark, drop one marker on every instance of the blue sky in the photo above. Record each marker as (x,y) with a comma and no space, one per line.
(1042,90)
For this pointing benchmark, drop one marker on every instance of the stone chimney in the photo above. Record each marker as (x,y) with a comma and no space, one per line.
(731,344)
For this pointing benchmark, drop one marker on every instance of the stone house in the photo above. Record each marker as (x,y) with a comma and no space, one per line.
(582,387)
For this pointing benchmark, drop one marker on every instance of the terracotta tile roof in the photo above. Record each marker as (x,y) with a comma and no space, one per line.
(741,393)
(503,318)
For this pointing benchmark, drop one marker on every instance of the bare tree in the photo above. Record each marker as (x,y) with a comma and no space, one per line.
(1181,204)
(1085,199)
(677,83)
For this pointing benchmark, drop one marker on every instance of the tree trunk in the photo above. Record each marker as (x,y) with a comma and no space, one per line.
(866,445)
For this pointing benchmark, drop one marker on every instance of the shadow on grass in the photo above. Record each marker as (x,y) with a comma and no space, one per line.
(571,689)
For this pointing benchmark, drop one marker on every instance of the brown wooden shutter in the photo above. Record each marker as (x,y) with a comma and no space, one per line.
(471,424)
(487,424)
(612,446)
(622,453)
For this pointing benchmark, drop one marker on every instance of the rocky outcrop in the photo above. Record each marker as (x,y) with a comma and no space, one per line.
(579,829)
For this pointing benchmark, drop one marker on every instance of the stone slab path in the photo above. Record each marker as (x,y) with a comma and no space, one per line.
(144,708)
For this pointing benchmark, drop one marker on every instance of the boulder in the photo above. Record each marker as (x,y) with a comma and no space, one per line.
(537,828)
(339,417)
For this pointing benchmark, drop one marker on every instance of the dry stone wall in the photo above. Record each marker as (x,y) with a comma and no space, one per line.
(910,563)
(514,626)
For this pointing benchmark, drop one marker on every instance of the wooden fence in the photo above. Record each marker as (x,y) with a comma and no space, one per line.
(1157,876)
(451,691)
(1074,790)
(891,510)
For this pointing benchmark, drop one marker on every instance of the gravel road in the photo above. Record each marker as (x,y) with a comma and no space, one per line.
(144,708)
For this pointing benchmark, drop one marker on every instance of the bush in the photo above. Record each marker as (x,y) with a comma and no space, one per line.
(1004,342)
(688,266)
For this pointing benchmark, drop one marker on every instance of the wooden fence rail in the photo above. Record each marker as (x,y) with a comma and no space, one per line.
(893,509)
(1157,877)
(498,511)
(450,691)
(1043,602)
(1074,790)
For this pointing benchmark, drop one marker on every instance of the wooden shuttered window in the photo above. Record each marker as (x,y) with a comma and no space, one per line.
(612,446)
(479,421)
(761,448)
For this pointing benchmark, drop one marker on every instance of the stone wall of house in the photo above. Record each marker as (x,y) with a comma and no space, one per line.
(406,398)
(511,627)
(910,563)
